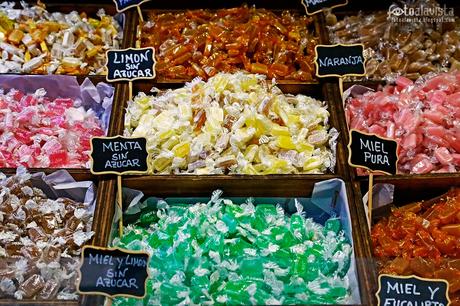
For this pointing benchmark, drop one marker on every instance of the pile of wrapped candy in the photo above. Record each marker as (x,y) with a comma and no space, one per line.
(33,40)
(39,132)
(40,241)
(233,123)
(204,42)
(227,254)
(424,117)
(422,238)
(408,48)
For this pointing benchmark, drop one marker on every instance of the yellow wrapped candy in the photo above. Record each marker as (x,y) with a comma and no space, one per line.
(233,123)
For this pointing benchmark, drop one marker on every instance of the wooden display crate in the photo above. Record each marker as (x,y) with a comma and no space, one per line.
(444,177)
(103,194)
(292,6)
(83,173)
(91,10)
(406,191)
(267,186)
(244,185)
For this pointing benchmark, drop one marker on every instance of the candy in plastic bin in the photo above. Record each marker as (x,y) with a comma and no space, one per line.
(222,253)
(411,47)
(422,238)
(39,132)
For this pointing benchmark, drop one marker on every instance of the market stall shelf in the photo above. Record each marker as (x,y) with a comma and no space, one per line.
(424,52)
(417,197)
(267,188)
(276,43)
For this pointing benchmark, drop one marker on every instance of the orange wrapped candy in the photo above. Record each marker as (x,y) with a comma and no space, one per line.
(204,42)
(422,239)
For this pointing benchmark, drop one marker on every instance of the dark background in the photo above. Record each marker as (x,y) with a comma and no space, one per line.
(353,5)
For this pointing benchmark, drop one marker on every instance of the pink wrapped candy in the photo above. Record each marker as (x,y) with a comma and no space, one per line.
(39,132)
(424,117)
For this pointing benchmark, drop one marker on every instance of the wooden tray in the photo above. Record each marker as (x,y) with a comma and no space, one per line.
(82,173)
(103,194)
(272,186)
(447,177)
(317,91)
(91,9)
(297,8)
(406,191)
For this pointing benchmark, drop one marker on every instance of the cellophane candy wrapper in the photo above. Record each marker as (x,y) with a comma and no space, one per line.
(422,116)
(420,238)
(36,41)
(397,47)
(44,222)
(48,121)
(237,251)
(201,43)
(233,124)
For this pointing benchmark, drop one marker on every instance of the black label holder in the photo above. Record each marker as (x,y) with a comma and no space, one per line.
(321,9)
(110,296)
(365,167)
(136,78)
(338,75)
(405,278)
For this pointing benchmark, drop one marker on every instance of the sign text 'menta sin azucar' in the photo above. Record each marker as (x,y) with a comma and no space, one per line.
(372,152)
(412,291)
(113,272)
(316,6)
(118,155)
(123,5)
(130,64)
(339,60)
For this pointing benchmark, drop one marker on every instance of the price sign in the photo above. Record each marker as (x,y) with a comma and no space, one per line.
(340,60)
(123,5)
(130,64)
(372,152)
(316,6)
(113,272)
(412,290)
(118,155)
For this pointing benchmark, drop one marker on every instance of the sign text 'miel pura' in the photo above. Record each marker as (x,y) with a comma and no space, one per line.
(373,152)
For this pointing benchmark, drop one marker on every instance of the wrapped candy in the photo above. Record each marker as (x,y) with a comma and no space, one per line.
(233,123)
(33,40)
(204,42)
(40,240)
(227,254)
(53,127)
(423,117)
(422,238)
(408,48)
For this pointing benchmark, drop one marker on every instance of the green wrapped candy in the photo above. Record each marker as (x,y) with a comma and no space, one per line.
(227,254)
